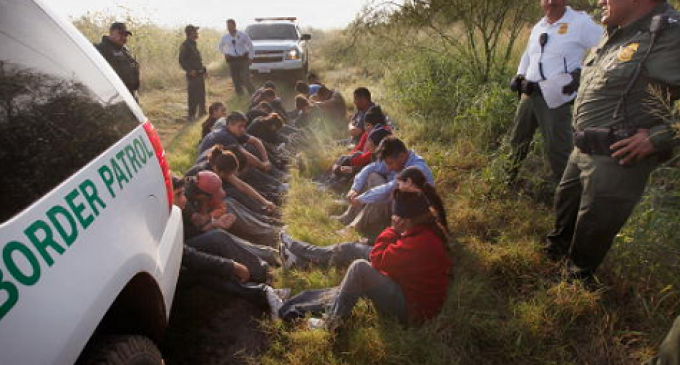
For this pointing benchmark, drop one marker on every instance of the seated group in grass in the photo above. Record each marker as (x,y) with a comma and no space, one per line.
(231,201)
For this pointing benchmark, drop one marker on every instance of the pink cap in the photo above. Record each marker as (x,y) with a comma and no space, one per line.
(210,183)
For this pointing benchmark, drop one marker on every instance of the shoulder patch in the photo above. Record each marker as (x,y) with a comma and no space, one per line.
(626,53)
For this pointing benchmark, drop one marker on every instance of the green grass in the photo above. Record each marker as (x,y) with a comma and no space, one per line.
(507,304)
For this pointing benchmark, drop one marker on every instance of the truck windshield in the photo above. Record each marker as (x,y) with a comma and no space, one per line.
(259,32)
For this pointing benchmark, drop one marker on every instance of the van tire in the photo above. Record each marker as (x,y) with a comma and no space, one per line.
(123,350)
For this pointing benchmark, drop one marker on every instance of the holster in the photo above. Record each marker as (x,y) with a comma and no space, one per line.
(598,141)
(529,87)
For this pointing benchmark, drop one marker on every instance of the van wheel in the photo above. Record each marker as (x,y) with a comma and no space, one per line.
(123,350)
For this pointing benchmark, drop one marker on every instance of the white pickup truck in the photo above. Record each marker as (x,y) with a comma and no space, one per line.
(90,242)
(280,47)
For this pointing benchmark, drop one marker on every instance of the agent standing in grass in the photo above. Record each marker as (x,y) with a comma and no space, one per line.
(113,48)
(192,64)
(238,51)
(623,129)
(551,65)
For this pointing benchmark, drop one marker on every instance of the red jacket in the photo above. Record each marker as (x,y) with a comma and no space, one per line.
(419,263)
(365,157)
(360,146)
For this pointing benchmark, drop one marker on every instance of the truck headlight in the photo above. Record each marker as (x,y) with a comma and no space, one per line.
(293,54)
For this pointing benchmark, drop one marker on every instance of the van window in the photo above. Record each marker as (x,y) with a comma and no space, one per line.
(57,110)
(258,32)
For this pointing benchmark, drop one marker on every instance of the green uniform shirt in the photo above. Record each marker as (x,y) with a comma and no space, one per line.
(610,66)
(190,56)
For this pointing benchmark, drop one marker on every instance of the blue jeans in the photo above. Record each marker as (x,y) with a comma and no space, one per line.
(341,254)
(364,281)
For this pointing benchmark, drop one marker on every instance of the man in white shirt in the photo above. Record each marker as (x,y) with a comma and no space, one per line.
(238,50)
(547,80)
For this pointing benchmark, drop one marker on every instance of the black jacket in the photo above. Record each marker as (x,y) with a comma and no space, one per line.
(190,57)
(121,60)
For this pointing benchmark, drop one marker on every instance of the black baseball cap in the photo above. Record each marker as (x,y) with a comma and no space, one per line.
(190,29)
(120,27)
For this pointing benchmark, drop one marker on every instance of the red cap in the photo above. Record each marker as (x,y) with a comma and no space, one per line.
(210,183)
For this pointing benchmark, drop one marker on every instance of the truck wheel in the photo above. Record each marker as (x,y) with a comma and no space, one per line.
(122,350)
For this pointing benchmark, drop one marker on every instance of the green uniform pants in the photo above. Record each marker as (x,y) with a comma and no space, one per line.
(555,125)
(593,201)
(669,353)
(195,96)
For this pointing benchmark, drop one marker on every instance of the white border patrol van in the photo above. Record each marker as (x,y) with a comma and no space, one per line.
(90,243)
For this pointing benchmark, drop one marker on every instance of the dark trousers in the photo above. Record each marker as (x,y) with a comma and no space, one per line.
(240,75)
(196,96)
(252,292)
(592,202)
(555,125)
(220,243)
(341,254)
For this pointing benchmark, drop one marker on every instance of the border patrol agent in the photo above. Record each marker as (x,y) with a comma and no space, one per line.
(238,51)
(192,64)
(112,47)
(621,136)
(556,47)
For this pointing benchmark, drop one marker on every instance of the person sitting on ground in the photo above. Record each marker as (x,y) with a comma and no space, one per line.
(260,110)
(216,111)
(297,254)
(302,88)
(218,159)
(267,129)
(257,95)
(235,133)
(314,83)
(347,166)
(363,102)
(269,95)
(370,195)
(214,259)
(362,153)
(209,205)
(407,274)
(301,116)
(332,103)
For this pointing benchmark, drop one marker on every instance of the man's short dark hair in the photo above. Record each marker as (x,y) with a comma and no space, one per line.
(231,21)
(391,147)
(269,93)
(362,92)
(235,117)
(302,87)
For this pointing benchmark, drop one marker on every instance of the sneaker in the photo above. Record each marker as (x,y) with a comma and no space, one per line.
(274,301)
(316,323)
(288,259)
(283,293)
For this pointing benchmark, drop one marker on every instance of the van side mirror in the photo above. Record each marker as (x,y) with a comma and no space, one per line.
(306,37)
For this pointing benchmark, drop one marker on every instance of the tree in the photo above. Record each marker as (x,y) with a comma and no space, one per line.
(482,33)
